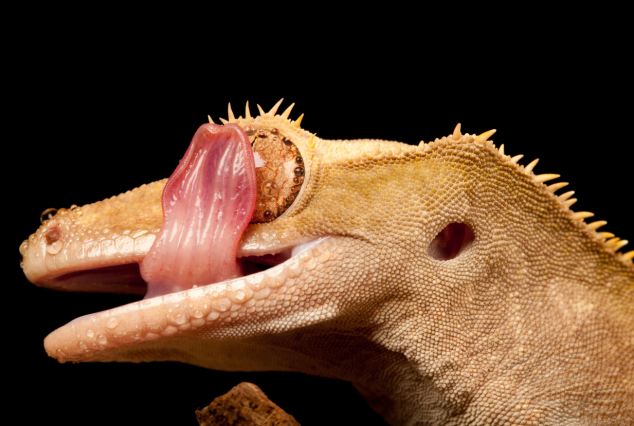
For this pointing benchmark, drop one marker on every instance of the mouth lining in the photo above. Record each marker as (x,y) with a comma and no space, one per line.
(126,278)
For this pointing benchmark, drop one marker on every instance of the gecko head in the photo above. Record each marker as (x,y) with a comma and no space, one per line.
(267,240)
(277,248)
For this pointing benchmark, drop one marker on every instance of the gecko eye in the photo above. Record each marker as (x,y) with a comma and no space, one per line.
(279,171)
(451,241)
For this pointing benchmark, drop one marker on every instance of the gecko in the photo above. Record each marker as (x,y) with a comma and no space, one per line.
(449,283)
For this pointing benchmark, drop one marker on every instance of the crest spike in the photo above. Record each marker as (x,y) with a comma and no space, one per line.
(500,149)
(596,225)
(582,215)
(486,135)
(457,134)
(545,177)
(557,186)
(273,110)
(260,110)
(211,121)
(298,122)
(620,244)
(517,158)
(247,111)
(230,115)
(531,165)
(566,195)
(287,111)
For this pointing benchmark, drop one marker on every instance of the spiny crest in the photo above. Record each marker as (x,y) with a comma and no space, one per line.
(610,242)
(231,117)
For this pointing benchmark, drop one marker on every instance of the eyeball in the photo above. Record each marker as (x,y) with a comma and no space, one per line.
(279,169)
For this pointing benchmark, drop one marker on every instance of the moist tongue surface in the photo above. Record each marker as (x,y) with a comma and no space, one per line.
(207,204)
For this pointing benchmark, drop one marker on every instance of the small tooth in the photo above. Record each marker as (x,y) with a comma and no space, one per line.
(570,202)
(500,149)
(546,177)
(620,244)
(223,121)
(606,235)
(628,256)
(456,132)
(486,135)
(557,186)
(260,109)
(596,225)
(247,111)
(211,121)
(421,143)
(612,241)
(230,115)
(287,111)
(532,165)
(566,195)
(298,122)
(582,215)
(273,110)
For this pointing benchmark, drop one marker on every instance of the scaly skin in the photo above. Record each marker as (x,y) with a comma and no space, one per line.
(531,323)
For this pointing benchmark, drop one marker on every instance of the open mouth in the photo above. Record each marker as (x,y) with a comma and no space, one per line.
(127,279)
(197,269)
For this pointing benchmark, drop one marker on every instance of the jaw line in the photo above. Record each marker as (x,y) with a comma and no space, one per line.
(180,312)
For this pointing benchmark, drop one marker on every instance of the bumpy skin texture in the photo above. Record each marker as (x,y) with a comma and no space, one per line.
(532,323)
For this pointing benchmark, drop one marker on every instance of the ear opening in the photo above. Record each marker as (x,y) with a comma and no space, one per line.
(451,241)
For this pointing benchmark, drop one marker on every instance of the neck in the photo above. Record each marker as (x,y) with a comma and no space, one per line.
(536,352)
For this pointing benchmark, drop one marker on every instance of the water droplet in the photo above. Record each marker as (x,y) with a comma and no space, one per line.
(54,248)
(262,294)
(180,319)
(241,296)
(112,323)
(223,304)
(47,214)
(139,233)
(90,334)
(24,247)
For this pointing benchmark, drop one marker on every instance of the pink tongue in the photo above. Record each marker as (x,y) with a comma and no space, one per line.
(207,204)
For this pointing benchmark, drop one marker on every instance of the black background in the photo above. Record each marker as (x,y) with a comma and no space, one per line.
(90,125)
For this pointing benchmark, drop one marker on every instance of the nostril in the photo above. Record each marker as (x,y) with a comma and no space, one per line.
(52,235)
